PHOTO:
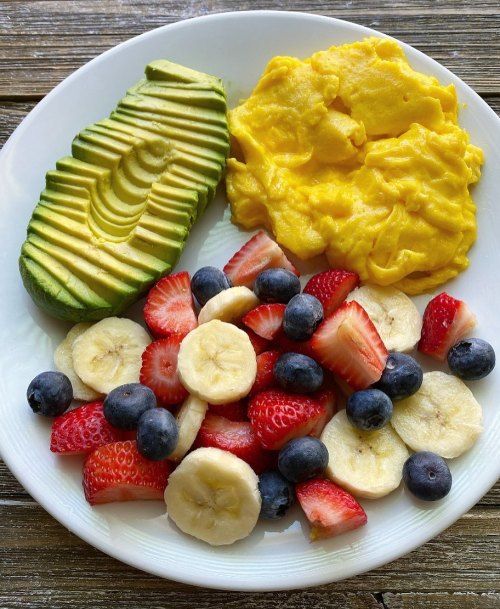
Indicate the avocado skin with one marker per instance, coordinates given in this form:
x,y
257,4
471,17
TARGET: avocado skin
x,y
115,216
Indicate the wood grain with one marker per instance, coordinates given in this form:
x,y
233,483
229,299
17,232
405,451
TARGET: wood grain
x,y
42,565
42,42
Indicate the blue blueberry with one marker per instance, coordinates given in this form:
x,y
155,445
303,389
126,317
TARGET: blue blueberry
x,y
402,376
207,282
276,285
124,405
157,434
298,373
427,476
471,359
302,458
303,314
369,409
50,394
277,495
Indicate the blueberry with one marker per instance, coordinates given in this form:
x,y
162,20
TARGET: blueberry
x,y
276,285
427,476
50,394
277,495
368,409
303,314
402,376
471,359
302,458
124,405
207,282
298,373
157,434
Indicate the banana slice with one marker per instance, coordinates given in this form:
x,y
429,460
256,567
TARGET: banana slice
x,y
366,463
229,305
189,420
443,416
213,496
217,362
393,314
109,353
63,359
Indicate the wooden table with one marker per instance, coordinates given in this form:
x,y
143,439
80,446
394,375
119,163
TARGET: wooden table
x,y
41,563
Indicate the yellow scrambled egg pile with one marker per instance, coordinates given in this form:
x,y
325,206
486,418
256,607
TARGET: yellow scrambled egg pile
x,y
355,154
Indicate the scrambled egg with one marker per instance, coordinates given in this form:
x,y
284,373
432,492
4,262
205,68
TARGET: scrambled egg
x,y
355,154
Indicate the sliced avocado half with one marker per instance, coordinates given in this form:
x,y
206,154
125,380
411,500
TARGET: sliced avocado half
x,y
114,216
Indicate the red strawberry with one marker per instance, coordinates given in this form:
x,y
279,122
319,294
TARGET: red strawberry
x,y
287,345
277,416
159,370
82,430
235,437
328,398
348,344
331,288
258,254
258,343
169,306
234,411
329,509
266,320
117,472
446,321
265,371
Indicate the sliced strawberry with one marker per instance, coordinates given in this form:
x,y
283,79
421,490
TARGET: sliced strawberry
x,y
331,288
235,437
82,430
258,254
348,344
277,416
234,411
265,371
159,370
330,509
328,398
169,306
117,472
266,320
258,343
446,321
287,345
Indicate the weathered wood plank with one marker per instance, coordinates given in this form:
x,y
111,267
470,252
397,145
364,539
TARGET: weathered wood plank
x,y
442,600
43,42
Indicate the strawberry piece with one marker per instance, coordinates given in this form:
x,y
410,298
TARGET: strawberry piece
x,y
82,430
258,343
257,255
159,370
329,509
348,344
169,306
329,400
117,472
277,416
287,345
236,437
265,320
331,288
446,321
234,411
265,371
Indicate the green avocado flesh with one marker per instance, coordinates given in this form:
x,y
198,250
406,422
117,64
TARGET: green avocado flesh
x,y
114,216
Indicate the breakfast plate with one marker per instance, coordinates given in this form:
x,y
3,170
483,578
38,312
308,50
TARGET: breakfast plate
x,y
236,47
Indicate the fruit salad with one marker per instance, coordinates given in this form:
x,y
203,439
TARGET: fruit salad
x,y
254,389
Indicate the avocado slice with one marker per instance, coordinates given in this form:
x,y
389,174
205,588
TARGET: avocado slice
x,y
115,215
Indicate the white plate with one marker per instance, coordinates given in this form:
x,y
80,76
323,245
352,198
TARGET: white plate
x,y
235,46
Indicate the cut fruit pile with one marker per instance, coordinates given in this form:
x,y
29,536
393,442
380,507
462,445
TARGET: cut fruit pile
x,y
236,401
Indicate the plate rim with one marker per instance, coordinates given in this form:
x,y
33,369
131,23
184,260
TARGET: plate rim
x,y
92,537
